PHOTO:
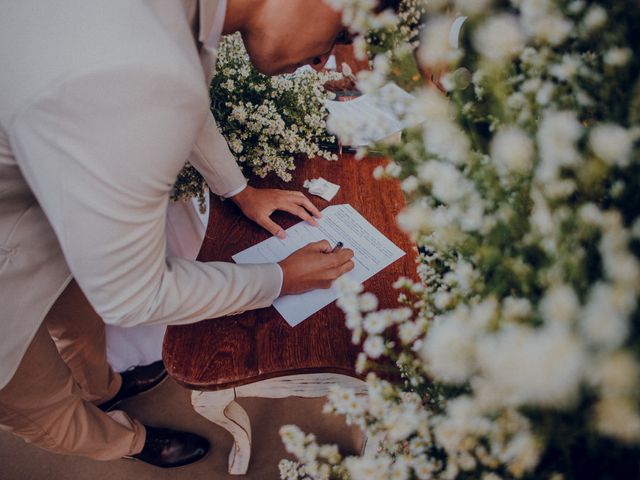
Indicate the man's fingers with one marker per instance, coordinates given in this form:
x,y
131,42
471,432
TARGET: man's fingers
x,y
347,267
272,227
323,246
341,270
299,212
306,203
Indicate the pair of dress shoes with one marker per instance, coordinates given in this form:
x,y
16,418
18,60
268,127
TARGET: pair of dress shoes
x,y
163,447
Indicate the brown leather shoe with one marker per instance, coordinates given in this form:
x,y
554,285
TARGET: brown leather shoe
x,y
137,380
167,448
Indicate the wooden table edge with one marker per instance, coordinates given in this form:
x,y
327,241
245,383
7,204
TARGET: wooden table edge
x,y
207,387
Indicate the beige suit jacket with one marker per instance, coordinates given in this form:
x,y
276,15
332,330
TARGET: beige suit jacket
x,y
101,102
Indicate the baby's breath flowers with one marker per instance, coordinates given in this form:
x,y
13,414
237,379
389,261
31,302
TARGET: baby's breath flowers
x,y
267,121
516,354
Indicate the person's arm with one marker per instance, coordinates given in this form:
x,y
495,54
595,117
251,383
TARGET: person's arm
x,y
215,162
101,153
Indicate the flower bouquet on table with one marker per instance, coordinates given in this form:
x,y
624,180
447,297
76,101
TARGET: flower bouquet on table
x,y
268,122
518,352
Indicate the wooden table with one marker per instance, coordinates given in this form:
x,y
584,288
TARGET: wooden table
x,y
257,353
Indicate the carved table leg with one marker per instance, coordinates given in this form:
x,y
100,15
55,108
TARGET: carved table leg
x,y
220,408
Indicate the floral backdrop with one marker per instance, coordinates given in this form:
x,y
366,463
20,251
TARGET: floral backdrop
x,y
517,354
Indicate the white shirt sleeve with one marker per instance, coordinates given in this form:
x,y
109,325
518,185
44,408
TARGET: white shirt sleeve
x,y
235,191
281,280
101,153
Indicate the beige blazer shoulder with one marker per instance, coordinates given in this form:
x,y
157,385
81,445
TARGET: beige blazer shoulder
x,y
100,107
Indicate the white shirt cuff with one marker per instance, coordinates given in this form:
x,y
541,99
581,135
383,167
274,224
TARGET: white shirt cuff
x,y
235,191
281,279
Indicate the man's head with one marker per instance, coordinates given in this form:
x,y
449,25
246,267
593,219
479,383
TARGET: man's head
x,y
283,35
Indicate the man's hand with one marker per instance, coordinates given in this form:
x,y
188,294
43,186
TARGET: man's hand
x,y
314,266
259,204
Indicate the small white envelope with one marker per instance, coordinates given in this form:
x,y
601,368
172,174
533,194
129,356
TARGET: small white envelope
x,y
322,188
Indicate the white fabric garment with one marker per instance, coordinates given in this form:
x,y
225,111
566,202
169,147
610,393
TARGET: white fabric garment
x,y
142,345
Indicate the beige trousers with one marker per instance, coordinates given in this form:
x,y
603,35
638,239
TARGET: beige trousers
x,y
51,400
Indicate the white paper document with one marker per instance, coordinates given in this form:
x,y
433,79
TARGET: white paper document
x,y
372,117
339,223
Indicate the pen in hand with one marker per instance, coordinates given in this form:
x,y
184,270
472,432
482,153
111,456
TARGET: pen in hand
x,y
338,246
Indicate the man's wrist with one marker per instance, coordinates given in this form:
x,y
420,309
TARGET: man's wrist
x,y
235,191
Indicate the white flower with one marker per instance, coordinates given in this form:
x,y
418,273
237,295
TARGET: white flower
x,y
345,401
523,366
399,469
447,183
567,69
491,476
544,94
595,18
368,302
409,184
590,213
375,323
541,219
618,417
576,6
602,323
472,8
617,374
368,468
449,349
552,29
447,140
514,309
512,150
435,49
347,286
611,143
412,219
288,470
404,419
374,346
499,38
462,275
408,332
617,57
361,362
521,454
559,304
531,85
433,105
557,137
294,439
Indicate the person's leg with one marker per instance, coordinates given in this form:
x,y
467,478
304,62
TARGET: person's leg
x,y
79,334
43,404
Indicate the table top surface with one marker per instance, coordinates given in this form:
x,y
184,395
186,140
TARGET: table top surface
x,y
256,345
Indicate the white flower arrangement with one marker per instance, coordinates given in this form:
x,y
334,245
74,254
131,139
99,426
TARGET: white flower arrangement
x,y
268,122
517,353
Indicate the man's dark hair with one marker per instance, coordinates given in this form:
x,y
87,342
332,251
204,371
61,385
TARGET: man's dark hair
x,y
385,4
